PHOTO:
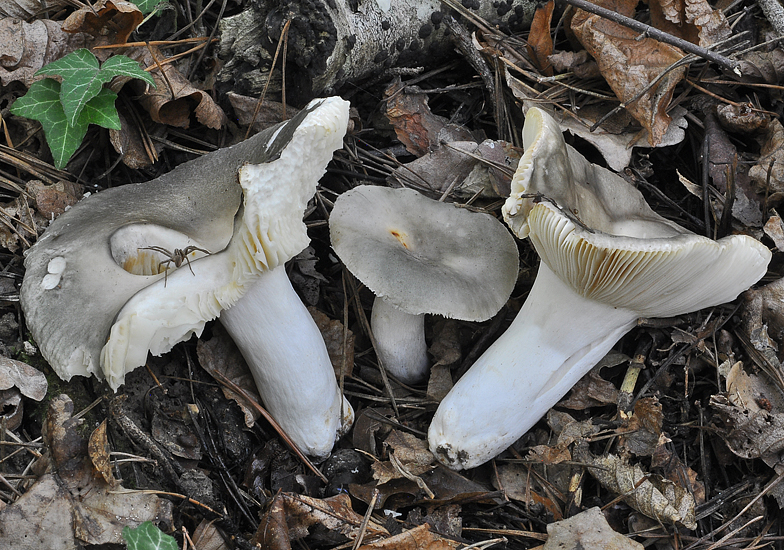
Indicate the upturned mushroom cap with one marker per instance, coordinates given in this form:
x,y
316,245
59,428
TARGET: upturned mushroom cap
x,y
424,256
77,294
607,259
597,233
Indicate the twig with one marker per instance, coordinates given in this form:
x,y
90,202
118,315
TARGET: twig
x,y
774,13
656,34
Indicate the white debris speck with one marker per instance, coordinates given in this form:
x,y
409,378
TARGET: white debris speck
x,y
29,348
55,270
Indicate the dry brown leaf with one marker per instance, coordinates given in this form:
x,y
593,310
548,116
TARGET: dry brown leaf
x,y
580,63
540,42
415,124
418,538
22,9
752,434
270,113
763,316
675,470
109,21
98,450
723,161
640,433
52,200
460,166
207,537
770,165
692,20
291,516
370,424
411,458
174,98
28,380
220,354
73,505
26,47
630,65
652,495
767,66
341,353
591,391
588,529
774,228
517,482
742,118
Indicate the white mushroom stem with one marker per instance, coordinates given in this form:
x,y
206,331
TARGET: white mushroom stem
x,y
542,354
288,358
400,341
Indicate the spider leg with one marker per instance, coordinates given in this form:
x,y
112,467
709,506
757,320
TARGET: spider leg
x,y
187,261
165,271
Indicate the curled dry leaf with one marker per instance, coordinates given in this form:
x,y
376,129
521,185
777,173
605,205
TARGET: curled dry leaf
x,y
73,505
109,21
174,98
640,432
415,124
26,47
540,42
291,516
587,529
673,468
767,66
518,483
774,228
649,494
408,457
630,65
742,118
98,449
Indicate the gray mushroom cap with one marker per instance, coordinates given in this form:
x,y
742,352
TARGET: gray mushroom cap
x,y
424,256
77,275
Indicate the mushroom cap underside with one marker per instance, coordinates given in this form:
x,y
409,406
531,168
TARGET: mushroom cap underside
x,y
424,256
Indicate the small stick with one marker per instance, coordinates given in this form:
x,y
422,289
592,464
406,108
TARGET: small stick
x,y
656,34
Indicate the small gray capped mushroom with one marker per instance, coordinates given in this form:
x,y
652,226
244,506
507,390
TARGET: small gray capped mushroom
x,y
421,256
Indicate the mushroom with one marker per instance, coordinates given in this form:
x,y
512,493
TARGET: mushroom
x,y
606,260
420,256
92,288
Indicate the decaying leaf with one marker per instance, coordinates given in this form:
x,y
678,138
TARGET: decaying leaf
x,y
692,20
221,354
269,114
28,380
767,66
723,164
518,483
98,450
291,516
642,430
650,494
52,200
587,529
675,470
174,98
763,317
464,168
742,118
340,347
774,228
630,65
408,457
73,505
418,538
592,390
415,124
750,433
370,425
110,21
26,47
768,173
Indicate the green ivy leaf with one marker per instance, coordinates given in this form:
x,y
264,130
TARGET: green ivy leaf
x,y
83,79
148,537
147,6
42,103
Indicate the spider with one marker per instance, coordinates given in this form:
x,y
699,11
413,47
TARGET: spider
x,y
177,257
